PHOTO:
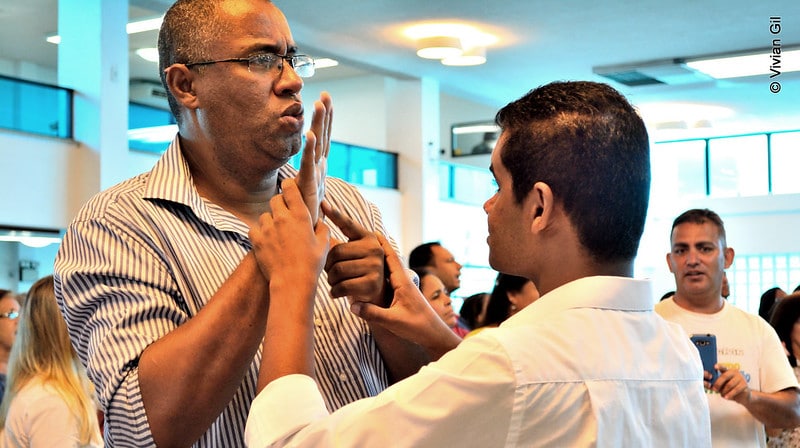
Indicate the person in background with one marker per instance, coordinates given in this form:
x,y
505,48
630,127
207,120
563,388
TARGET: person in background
x,y
511,293
9,314
756,386
726,287
769,300
440,261
156,276
486,144
588,364
50,401
473,310
786,321
434,291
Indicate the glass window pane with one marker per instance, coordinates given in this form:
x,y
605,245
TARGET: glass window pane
x,y
678,169
738,166
785,152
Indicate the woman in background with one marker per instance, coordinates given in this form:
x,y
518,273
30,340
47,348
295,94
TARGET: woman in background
x,y
786,321
510,294
49,400
9,312
433,289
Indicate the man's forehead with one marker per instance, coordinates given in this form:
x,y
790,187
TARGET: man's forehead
x,y
441,252
695,231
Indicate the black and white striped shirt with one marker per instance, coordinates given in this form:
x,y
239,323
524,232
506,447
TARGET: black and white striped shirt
x,y
144,256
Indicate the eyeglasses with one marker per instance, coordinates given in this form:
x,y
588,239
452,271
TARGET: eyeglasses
x,y
10,315
302,64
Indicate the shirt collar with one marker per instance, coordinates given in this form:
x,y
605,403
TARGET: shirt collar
x,y
600,292
170,180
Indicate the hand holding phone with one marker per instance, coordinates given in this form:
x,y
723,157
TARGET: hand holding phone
x,y
707,346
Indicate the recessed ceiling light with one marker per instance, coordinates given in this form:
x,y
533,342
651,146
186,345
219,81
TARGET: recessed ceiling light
x,y
138,26
439,47
471,56
747,65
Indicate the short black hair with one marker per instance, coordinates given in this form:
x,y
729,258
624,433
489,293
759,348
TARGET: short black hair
x,y
785,315
422,255
700,216
767,303
499,305
587,143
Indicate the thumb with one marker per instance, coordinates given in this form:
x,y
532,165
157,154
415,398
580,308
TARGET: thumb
x,y
370,312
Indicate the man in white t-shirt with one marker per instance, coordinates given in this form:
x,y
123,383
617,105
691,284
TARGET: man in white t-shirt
x,y
756,386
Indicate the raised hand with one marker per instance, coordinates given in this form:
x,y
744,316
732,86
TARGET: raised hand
x,y
355,266
409,316
286,245
314,161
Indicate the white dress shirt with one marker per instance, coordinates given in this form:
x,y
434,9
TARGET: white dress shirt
x,y
588,364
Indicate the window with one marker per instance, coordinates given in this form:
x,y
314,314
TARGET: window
x,y
738,166
679,169
784,161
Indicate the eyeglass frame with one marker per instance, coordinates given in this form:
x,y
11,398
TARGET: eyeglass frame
x,y
11,315
292,60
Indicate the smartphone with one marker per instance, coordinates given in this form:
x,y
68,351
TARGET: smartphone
x,y
707,346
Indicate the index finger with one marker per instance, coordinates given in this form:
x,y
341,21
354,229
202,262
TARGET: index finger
x,y
291,193
350,228
397,272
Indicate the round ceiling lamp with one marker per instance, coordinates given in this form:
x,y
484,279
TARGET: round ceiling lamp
x,y
439,47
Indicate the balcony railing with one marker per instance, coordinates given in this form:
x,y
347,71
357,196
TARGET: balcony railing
x,y
34,107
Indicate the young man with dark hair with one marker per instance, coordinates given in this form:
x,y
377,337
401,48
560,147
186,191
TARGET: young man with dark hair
x,y
756,385
588,364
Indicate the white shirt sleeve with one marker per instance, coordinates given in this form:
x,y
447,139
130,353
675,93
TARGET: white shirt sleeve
x,y
464,389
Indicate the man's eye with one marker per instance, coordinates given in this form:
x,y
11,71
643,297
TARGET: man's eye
x,y
263,60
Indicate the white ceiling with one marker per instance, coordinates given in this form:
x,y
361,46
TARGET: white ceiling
x,y
540,41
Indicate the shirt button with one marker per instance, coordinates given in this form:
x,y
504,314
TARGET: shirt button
x,y
343,377
318,322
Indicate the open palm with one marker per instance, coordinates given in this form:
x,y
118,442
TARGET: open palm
x,y
314,161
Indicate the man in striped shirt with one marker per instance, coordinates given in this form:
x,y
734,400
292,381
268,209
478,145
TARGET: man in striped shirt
x,y
156,277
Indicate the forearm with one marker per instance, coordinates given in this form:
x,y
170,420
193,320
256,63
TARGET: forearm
x,y
401,358
777,410
289,337
189,376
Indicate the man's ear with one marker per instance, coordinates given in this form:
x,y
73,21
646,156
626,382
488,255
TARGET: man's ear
x,y
180,82
540,203
729,254
669,262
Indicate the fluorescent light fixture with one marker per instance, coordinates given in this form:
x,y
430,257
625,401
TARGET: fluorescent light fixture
x,y
764,63
30,238
154,134
138,26
478,128
141,26
471,56
325,63
439,47
148,54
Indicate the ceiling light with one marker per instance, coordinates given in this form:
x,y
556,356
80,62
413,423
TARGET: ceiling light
x,y
30,237
439,47
325,63
141,26
138,26
737,66
471,56
148,54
